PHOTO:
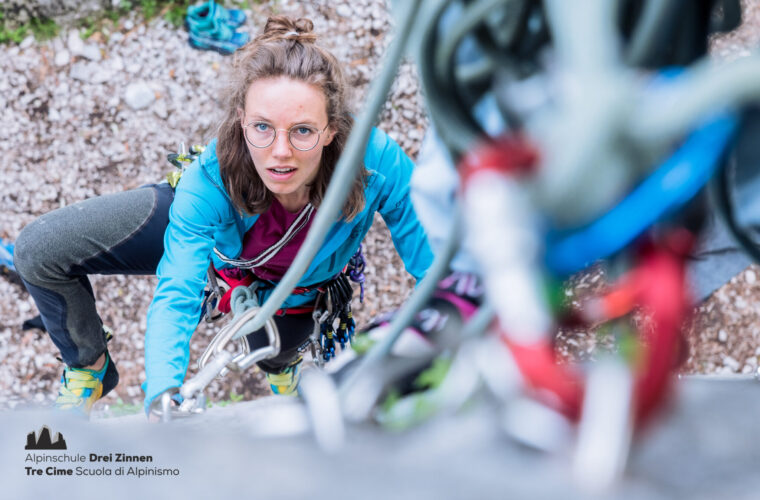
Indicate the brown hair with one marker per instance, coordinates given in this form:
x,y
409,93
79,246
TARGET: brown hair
x,y
285,48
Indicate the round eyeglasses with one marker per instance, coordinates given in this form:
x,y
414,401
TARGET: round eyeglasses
x,y
301,137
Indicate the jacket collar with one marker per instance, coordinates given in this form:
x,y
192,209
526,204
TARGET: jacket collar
x,y
209,163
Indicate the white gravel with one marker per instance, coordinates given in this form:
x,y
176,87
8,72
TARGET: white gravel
x,y
84,118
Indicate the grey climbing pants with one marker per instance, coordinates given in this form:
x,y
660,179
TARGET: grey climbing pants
x,y
120,233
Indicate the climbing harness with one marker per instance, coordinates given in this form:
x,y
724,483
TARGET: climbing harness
x,y
332,304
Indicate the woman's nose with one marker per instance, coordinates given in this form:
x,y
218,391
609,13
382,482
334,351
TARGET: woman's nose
x,y
281,146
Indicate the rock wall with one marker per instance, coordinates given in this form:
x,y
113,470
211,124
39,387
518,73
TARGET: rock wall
x,y
17,12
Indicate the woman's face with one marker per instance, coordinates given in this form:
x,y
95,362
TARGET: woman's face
x,y
282,104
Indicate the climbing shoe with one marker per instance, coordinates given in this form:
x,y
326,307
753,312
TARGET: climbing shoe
x,y
285,383
210,30
81,387
202,13
7,268
224,44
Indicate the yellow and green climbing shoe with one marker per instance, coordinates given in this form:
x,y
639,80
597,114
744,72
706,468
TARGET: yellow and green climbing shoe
x,y
286,382
81,387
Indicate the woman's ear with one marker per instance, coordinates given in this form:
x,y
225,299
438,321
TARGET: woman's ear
x,y
330,136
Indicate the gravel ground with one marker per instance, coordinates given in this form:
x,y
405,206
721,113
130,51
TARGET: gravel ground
x,y
70,130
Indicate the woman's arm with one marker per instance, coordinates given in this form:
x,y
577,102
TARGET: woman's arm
x,y
409,238
194,217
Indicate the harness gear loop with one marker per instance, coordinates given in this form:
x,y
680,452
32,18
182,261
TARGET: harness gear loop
x,y
355,271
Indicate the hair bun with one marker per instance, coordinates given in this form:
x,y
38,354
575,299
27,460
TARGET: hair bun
x,y
287,28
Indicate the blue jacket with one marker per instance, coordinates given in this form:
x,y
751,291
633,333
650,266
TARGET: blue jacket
x,y
202,217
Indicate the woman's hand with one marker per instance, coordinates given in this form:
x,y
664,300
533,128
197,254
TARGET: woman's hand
x,y
166,402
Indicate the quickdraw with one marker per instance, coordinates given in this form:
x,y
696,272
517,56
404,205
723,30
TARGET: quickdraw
x,y
355,270
182,159
655,283
334,303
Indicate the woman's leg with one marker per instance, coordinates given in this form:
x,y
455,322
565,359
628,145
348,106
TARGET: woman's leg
x,y
120,233
282,371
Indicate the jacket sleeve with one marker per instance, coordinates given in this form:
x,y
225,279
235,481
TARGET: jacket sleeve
x,y
195,213
409,238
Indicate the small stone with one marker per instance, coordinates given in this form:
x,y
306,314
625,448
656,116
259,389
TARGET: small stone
x,y
160,109
178,92
27,42
139,95
62,57
750,276
81,71
117,64
74,42
100,75
91,52
722,336
129,24
731,363
344,10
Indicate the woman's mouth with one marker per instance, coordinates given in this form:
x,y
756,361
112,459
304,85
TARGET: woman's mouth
x,y
281,173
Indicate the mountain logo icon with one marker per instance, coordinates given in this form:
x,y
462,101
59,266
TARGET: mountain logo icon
x,y
43,441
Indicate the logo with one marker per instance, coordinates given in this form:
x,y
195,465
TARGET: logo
x,y
39,461
43,441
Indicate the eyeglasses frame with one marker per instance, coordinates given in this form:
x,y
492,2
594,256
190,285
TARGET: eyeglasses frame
x,y
274,137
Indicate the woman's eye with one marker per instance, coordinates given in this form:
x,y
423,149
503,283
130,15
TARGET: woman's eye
x,y
304,131
261,127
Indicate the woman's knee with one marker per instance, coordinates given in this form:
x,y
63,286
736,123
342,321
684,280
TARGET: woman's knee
x,y
29,252
116,233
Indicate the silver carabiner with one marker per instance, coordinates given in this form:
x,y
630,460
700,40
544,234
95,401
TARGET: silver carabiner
x,y
244,359
214,296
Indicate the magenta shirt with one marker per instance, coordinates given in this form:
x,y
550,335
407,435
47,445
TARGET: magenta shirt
x,y
268,230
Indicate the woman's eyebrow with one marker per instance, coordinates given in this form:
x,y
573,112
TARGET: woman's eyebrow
x,y
263,118
257,118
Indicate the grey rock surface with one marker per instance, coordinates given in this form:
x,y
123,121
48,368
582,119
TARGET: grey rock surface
x,y
705,447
